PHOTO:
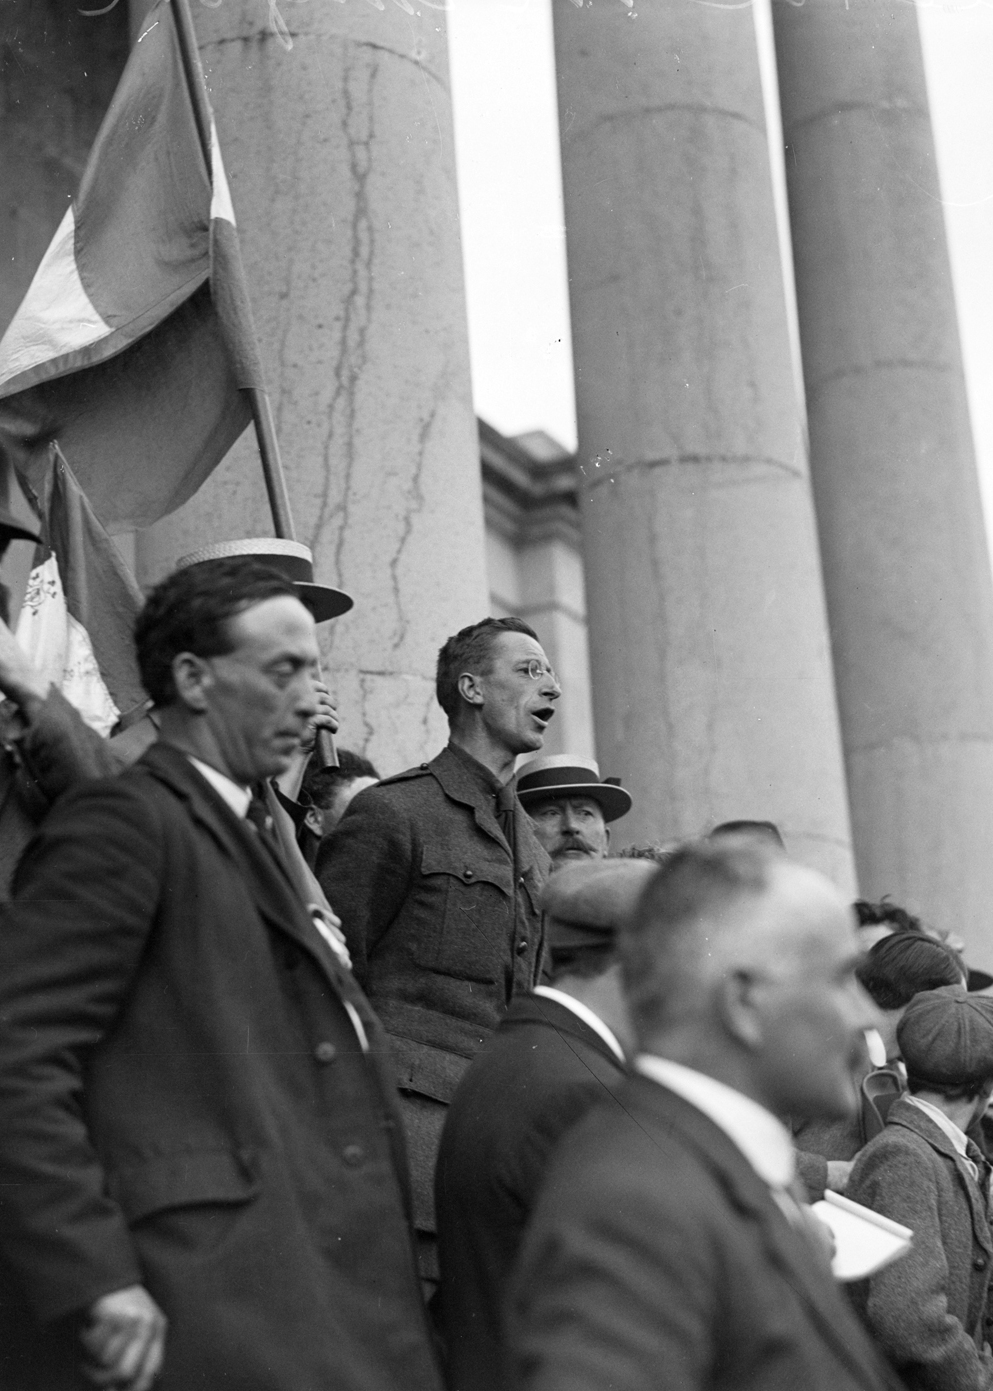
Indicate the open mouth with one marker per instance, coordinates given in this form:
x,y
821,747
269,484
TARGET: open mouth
x,y
543,715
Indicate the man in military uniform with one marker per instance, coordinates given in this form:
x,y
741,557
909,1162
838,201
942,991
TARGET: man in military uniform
x,y
436,875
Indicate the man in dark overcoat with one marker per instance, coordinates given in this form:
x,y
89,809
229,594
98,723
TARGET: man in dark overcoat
x,y
668,1250
930,1311
436,875
556,1052
201,1174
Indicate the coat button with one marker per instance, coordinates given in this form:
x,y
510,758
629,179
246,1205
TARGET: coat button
x,y
353,1155
467,874
522,946
979,1263
325,1052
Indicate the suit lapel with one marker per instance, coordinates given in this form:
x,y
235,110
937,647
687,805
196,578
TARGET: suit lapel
x,y
790,1251
265,877
911,1118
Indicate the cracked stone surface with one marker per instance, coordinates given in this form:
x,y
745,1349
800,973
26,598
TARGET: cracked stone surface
x,y
341,164
711,663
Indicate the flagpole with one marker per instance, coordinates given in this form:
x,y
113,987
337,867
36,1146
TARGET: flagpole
x,y
258,397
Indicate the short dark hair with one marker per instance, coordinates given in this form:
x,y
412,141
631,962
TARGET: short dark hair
x,y
762,830
322,785
189,611
884,912
958,1091
699,878
905,963
469,650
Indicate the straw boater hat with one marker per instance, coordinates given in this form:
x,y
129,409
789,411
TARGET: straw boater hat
x,y
565,775
290,558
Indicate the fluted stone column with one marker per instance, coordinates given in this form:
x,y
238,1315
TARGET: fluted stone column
x,y
713,693
905,556
340,158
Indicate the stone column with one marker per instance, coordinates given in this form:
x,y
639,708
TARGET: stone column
x,y
713,692
340,157
905,557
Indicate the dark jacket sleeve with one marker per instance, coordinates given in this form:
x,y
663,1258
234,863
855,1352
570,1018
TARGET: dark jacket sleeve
x,y
59,750
366,867
70,943
907,1305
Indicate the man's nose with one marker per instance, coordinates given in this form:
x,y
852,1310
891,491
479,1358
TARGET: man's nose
x,y
306,702
550,687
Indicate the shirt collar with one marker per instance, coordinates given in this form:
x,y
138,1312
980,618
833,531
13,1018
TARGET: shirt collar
x,y
958,1137
584,1013
762,1139
236,796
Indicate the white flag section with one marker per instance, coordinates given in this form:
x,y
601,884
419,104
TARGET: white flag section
x,y
61,650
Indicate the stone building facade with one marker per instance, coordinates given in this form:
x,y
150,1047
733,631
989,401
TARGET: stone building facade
x,y
772,631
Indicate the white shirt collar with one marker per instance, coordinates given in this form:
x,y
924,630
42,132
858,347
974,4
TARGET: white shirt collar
x,y
586,1015
236,796
762,1139
958,1137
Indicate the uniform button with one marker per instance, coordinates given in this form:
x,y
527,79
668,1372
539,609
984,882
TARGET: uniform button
x,y
325,1052
522,946
353,1155
467,874
423,765
979,1263
521,880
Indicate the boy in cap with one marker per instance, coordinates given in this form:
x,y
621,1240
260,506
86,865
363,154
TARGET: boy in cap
x,y
928,1311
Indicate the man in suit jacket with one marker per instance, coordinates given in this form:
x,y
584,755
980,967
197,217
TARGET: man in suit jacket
x,y
436,875
667,1251
199,1161
930,1310
557,1051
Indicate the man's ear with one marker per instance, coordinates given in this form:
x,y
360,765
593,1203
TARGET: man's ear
x,y
192,678
471,688
737,1010
314,821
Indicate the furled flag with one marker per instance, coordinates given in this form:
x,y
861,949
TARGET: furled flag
x,y
80,607
135,335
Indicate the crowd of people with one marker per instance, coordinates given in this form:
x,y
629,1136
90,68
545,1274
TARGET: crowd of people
x,y
312,1078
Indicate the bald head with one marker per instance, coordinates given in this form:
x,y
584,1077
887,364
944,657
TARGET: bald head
x,y
740,960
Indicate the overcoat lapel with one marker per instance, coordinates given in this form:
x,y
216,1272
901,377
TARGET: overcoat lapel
x,y
903,1113
790,1251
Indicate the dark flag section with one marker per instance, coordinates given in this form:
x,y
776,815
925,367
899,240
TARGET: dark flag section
x,y
133,343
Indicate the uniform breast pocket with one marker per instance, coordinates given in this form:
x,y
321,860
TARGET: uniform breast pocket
x,y
470,914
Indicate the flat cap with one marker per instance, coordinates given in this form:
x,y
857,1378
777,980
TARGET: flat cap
x,y
588,901
946,1036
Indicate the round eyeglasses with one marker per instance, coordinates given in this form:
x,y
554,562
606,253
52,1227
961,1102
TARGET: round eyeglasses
x,y
536,670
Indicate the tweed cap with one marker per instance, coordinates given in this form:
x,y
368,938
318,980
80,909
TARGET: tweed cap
x,y
586,902
946,1036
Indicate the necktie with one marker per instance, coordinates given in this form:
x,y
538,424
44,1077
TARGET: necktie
x,y
980,1166
258,816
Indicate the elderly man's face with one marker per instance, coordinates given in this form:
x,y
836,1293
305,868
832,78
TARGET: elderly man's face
x,y
570,828
809,1010
260,697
